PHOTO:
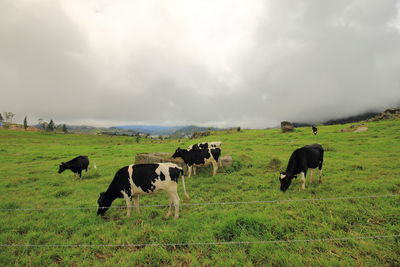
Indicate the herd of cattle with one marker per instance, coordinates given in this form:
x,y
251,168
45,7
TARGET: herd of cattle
x,y
131,181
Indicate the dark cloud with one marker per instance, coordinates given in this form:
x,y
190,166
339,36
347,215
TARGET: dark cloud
x,y
299,61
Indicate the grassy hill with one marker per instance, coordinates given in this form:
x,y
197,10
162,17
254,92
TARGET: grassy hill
x,y
356,164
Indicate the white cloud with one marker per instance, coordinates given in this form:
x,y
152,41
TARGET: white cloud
x,y
223,63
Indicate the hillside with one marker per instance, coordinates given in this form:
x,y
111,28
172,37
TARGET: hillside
x,y
152,129
174,131
358,199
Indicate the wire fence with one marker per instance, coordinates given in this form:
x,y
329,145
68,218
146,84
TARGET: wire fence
x,y
334,239
259,202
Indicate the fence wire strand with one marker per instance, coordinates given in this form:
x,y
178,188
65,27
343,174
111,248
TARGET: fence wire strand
x,y
210,203
201,243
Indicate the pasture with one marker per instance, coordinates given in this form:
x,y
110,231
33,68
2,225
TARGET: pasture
x,y
355,164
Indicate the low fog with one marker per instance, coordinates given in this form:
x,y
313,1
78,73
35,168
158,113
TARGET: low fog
x,y
212,63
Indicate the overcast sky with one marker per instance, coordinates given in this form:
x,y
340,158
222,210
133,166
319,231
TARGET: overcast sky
x,y
207,62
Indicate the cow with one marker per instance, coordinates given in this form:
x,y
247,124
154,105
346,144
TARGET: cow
x,y
205,145
311,156
136,179
199,157
314,129
76,165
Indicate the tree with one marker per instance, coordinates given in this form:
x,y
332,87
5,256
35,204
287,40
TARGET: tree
x,y
25,123
64,128
51,126
8,116
41,123
1,118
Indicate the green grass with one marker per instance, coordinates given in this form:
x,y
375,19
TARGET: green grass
x,y
356,164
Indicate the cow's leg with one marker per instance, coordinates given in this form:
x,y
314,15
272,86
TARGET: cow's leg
x,y
311,175
215,167
190,170
80,173
303,181
320,176
176,204
171,201
128,203
194,170
136,203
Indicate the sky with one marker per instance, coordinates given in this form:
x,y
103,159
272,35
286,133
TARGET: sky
x,y
221,63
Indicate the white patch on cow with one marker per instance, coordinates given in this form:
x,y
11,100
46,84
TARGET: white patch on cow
x,y
283,176
216,144
167,184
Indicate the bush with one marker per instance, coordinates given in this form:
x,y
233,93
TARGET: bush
x,y
274,165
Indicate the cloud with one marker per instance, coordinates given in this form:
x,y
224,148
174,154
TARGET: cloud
x,y
219,63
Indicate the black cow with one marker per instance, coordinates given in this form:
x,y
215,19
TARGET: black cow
x,y
199,157
302,159
314,130
205,145
76,165
131,181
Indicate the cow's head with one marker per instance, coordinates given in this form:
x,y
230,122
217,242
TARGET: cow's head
x,y
104,204
178,153
63,166
285,180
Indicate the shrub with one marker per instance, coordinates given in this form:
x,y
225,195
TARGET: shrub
x,y
274,165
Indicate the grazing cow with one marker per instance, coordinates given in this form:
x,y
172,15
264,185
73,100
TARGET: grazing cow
x,y
314,130
76,165
199,157
205,145
300,161
133,180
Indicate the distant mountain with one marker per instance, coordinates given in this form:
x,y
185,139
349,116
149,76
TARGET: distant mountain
x,y
351,119
152,129
189,130
84,129
173,131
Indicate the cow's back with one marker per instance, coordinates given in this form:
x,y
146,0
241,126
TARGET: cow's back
x,y
314,154
79,161
152,177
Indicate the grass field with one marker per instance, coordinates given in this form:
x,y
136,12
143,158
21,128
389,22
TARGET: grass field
x,y
356,164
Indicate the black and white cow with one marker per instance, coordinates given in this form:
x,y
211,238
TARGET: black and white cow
x,y
199,157
133,180
314,129
205,145
302,159
76,165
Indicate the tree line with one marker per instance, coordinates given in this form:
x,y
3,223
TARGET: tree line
x,y
50,126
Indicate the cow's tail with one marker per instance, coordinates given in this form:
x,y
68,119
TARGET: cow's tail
x,y
184,187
